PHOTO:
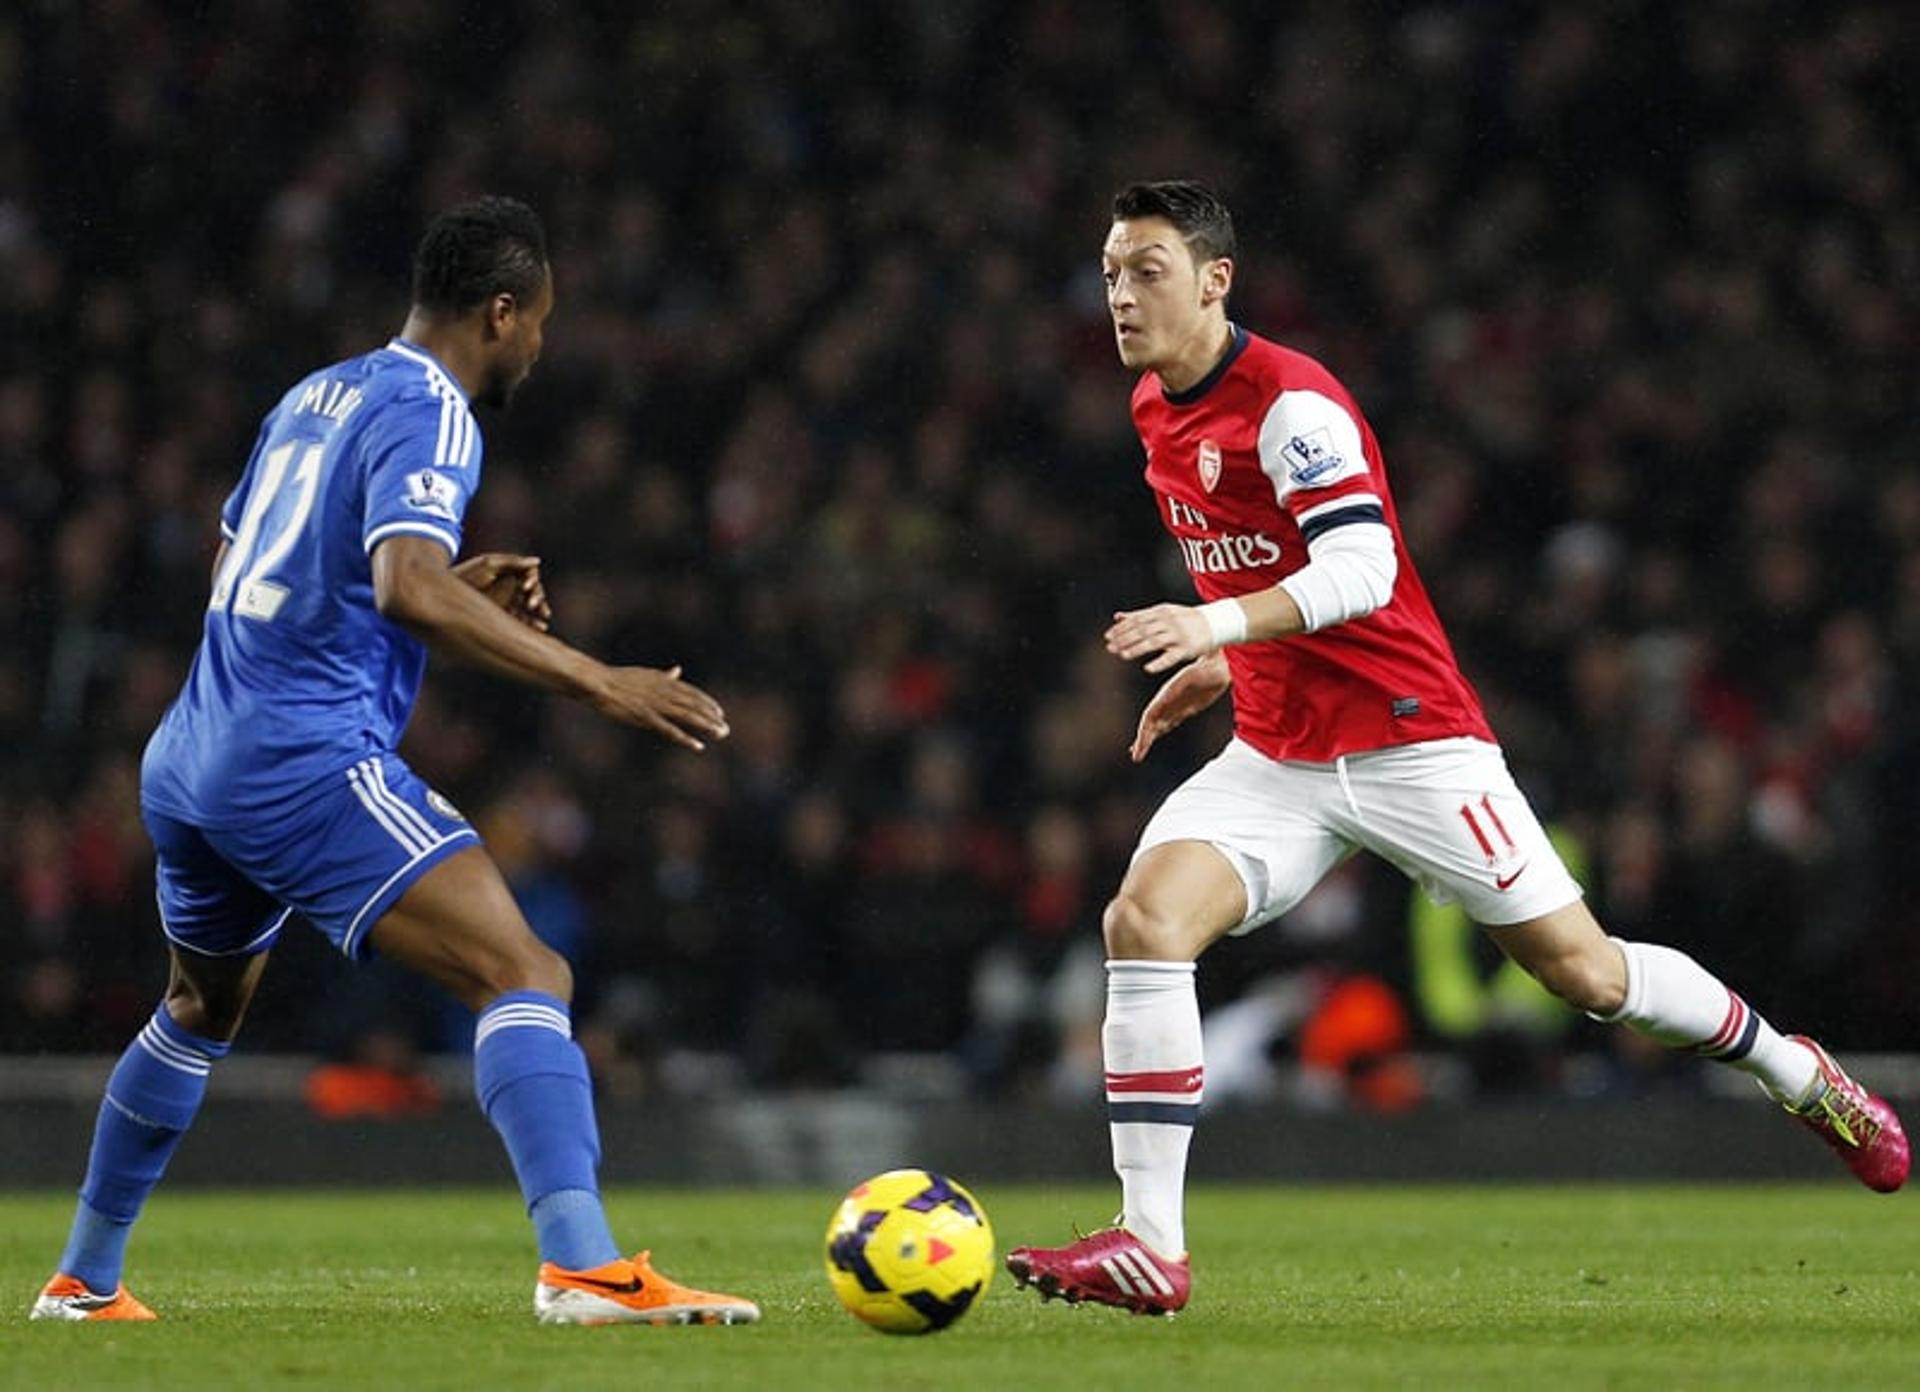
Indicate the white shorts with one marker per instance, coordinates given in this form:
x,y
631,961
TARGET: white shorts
x,y
1446,812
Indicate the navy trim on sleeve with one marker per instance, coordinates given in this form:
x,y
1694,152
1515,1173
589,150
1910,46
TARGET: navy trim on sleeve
x,y
1340,517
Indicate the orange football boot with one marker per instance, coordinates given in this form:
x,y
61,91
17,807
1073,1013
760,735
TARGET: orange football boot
x,y
630,1292
66,1298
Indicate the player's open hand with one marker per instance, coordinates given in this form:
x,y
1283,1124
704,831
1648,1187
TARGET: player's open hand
x,y
513,583
659,701
1166,635
1184,695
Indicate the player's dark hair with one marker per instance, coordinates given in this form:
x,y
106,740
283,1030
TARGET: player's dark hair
x,y
476,250
1195,211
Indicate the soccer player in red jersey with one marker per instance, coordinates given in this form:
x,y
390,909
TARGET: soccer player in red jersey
x,y
1353,728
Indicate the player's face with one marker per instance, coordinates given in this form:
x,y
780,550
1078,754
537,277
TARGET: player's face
x,y
1158,295
521,332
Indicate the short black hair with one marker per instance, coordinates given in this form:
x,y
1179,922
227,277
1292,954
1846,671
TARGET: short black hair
x,y
1196,212
475,250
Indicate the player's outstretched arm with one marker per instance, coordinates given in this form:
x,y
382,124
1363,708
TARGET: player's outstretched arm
x,y
1350,572
416,586
1181,697
1169,634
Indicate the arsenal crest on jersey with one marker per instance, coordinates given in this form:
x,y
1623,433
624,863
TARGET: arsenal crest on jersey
x,y
1209,464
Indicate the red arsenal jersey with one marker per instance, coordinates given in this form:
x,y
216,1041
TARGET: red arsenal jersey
x,y
1265,453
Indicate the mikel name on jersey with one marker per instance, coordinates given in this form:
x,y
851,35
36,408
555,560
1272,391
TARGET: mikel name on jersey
x,y
326,397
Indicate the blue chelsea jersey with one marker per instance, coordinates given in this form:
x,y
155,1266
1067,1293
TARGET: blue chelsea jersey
x,y
298,676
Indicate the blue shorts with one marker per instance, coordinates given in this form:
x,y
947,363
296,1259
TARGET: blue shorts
x,y
340,858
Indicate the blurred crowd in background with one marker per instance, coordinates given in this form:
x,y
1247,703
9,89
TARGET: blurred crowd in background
x,y
830,414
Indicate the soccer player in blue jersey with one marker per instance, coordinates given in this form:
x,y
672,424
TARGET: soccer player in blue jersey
x,y
273,786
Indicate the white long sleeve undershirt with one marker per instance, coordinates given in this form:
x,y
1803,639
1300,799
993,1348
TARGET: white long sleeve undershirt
x,y
1350,574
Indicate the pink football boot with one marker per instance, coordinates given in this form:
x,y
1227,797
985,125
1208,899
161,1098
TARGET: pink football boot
x,y
1862,1129
1109,1268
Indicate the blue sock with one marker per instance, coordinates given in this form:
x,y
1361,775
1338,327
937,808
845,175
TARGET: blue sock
x,y
151,1100
572,1229
533,1085
96,1248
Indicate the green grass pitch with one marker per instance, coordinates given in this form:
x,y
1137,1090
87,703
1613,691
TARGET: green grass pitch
x,y
1557,1287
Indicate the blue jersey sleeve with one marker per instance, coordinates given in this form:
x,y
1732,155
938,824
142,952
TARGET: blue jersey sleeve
x,y
423,463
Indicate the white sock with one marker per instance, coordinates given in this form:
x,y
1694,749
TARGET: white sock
x,y
1672,998
1152,1046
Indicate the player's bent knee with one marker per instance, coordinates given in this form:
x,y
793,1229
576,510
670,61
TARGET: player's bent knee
x,y
210,998
534,967
476,960
1134,931
1603,996
557,974
197,1014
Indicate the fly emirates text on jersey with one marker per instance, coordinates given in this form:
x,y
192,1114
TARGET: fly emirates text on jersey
x,y
1215,555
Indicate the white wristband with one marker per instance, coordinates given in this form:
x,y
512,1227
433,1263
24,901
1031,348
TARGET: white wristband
x,y
1226,621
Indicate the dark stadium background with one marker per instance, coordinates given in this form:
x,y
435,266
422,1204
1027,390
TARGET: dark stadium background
x,y
830,414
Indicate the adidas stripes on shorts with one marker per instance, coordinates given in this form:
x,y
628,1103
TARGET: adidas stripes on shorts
x,y
340,855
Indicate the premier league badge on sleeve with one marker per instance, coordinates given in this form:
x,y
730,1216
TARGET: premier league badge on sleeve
x,y
1312,456
432,493
1209,465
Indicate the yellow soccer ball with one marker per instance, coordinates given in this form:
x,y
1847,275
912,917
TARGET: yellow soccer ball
x,y
909,1251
